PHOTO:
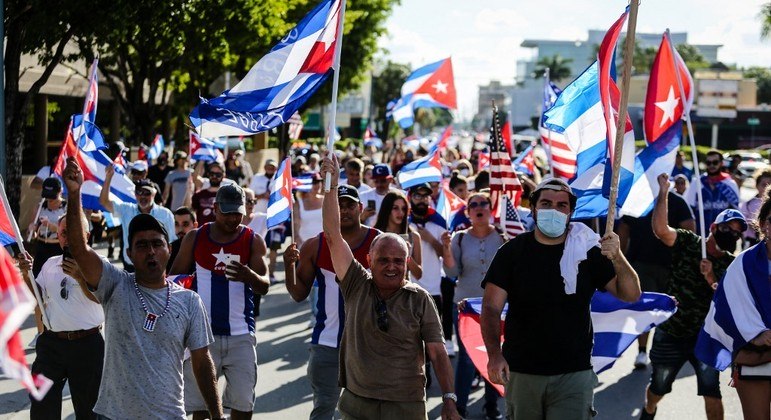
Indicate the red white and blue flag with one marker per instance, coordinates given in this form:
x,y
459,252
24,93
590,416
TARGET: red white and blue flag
x,y
664,110
204,149
563,157
280,83
156,147
303,182
525,162
503,180
280,200
93,163
7,222
441,144
88,141
426,169
447,204
430,86
511,221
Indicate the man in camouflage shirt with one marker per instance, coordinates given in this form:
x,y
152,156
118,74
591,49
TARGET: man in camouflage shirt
x,y
693,281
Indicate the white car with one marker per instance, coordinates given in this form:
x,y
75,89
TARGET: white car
x,y
751,162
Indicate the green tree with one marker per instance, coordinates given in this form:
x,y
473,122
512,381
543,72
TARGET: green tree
x,y
386,86
692,57
762,76
559,68
765,18
43,29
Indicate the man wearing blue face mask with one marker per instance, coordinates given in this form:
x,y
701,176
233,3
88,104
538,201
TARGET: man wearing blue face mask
x,y
548,277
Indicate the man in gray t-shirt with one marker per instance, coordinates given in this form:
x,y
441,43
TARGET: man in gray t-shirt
x,y
148,321
177,182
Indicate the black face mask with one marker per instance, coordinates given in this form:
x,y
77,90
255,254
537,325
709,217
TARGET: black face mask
x,y
725,240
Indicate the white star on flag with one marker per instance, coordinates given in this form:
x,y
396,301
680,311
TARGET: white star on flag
x,y
221,257
668,107
440,87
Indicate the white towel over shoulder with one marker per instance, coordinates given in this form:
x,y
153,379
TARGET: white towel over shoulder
x,y
580,240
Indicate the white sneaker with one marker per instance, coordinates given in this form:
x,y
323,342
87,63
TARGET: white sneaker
x,y
450,348
641,361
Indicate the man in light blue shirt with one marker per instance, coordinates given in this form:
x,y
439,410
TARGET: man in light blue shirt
x,y
145,193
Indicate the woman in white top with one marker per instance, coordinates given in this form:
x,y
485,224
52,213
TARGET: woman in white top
x,y
307,212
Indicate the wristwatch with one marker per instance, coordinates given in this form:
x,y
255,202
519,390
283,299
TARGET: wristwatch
x,y
450,396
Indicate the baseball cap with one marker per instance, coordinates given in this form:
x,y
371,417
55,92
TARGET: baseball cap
x,y
271,162
349,192
139,165
143,222
145,184
381,170
554,184
727,215
180,155
51,188
231,199
422,186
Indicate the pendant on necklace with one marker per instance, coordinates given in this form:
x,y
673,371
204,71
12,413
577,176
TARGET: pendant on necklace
x,y
150,322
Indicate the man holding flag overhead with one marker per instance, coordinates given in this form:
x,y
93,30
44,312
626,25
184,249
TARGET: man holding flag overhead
x,y
545,362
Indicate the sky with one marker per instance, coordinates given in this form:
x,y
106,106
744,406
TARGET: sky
x,y
483,36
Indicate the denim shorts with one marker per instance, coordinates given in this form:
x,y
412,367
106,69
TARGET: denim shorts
x,y
669,354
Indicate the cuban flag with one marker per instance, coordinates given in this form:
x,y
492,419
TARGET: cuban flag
x,y
183,280
7,222
447,204
156,147
616,326
664,109
740,309
430,86
483,160
425,169
280,83
441,144
87,139
610,96
280,200
93,164
204,149
303,182
525,162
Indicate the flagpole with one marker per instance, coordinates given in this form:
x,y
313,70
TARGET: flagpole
x,y
20,243
618,148
335,82
37,216
291,223
694,156
546,76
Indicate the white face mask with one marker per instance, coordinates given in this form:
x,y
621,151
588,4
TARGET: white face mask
x,y
551,223
464,172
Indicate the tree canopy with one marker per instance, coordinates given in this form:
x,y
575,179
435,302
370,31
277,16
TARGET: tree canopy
x,y
558,66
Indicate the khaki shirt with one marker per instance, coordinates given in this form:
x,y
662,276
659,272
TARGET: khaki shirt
x,y
386,365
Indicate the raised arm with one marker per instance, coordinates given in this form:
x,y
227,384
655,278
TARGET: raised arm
x,y
661,228
87,258
415,263
626,284
104,196
342,257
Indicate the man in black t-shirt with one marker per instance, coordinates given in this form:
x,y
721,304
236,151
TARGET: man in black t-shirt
x,y
548,277
649,257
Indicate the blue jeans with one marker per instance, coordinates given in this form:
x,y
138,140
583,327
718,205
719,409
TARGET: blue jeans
x,y
464,373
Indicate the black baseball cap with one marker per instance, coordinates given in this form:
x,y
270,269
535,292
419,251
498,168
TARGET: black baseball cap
x,y
349,192
143,222
381,170
51,188
231,199
421,186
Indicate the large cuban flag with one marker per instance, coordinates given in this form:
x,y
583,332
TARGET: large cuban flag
x,y
430,86
616,326
93,163
664,109
279,84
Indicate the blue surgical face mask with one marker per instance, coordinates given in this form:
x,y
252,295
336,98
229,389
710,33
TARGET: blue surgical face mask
x,y
551,223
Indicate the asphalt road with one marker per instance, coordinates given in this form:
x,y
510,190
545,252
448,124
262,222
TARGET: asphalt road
x,y
283,390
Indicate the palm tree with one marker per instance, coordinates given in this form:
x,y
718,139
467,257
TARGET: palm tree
x,y
765,17
558,66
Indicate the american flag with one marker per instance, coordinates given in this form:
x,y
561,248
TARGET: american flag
x,y
503,179
511,222
563,158
295,126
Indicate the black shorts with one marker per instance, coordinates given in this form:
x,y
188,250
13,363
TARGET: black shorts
x,y
669,354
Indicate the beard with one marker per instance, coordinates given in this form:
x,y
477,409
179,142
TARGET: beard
x,y
420,209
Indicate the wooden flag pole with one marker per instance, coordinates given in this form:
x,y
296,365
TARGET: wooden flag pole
x,y
335,80
622,111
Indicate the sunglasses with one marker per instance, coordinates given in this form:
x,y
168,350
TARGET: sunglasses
x,y
64,293
144,193
215,174
421,196
382,315
712,162
481,204
252,202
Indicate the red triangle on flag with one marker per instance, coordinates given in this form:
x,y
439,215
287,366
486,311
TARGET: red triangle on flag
x,y
441,85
